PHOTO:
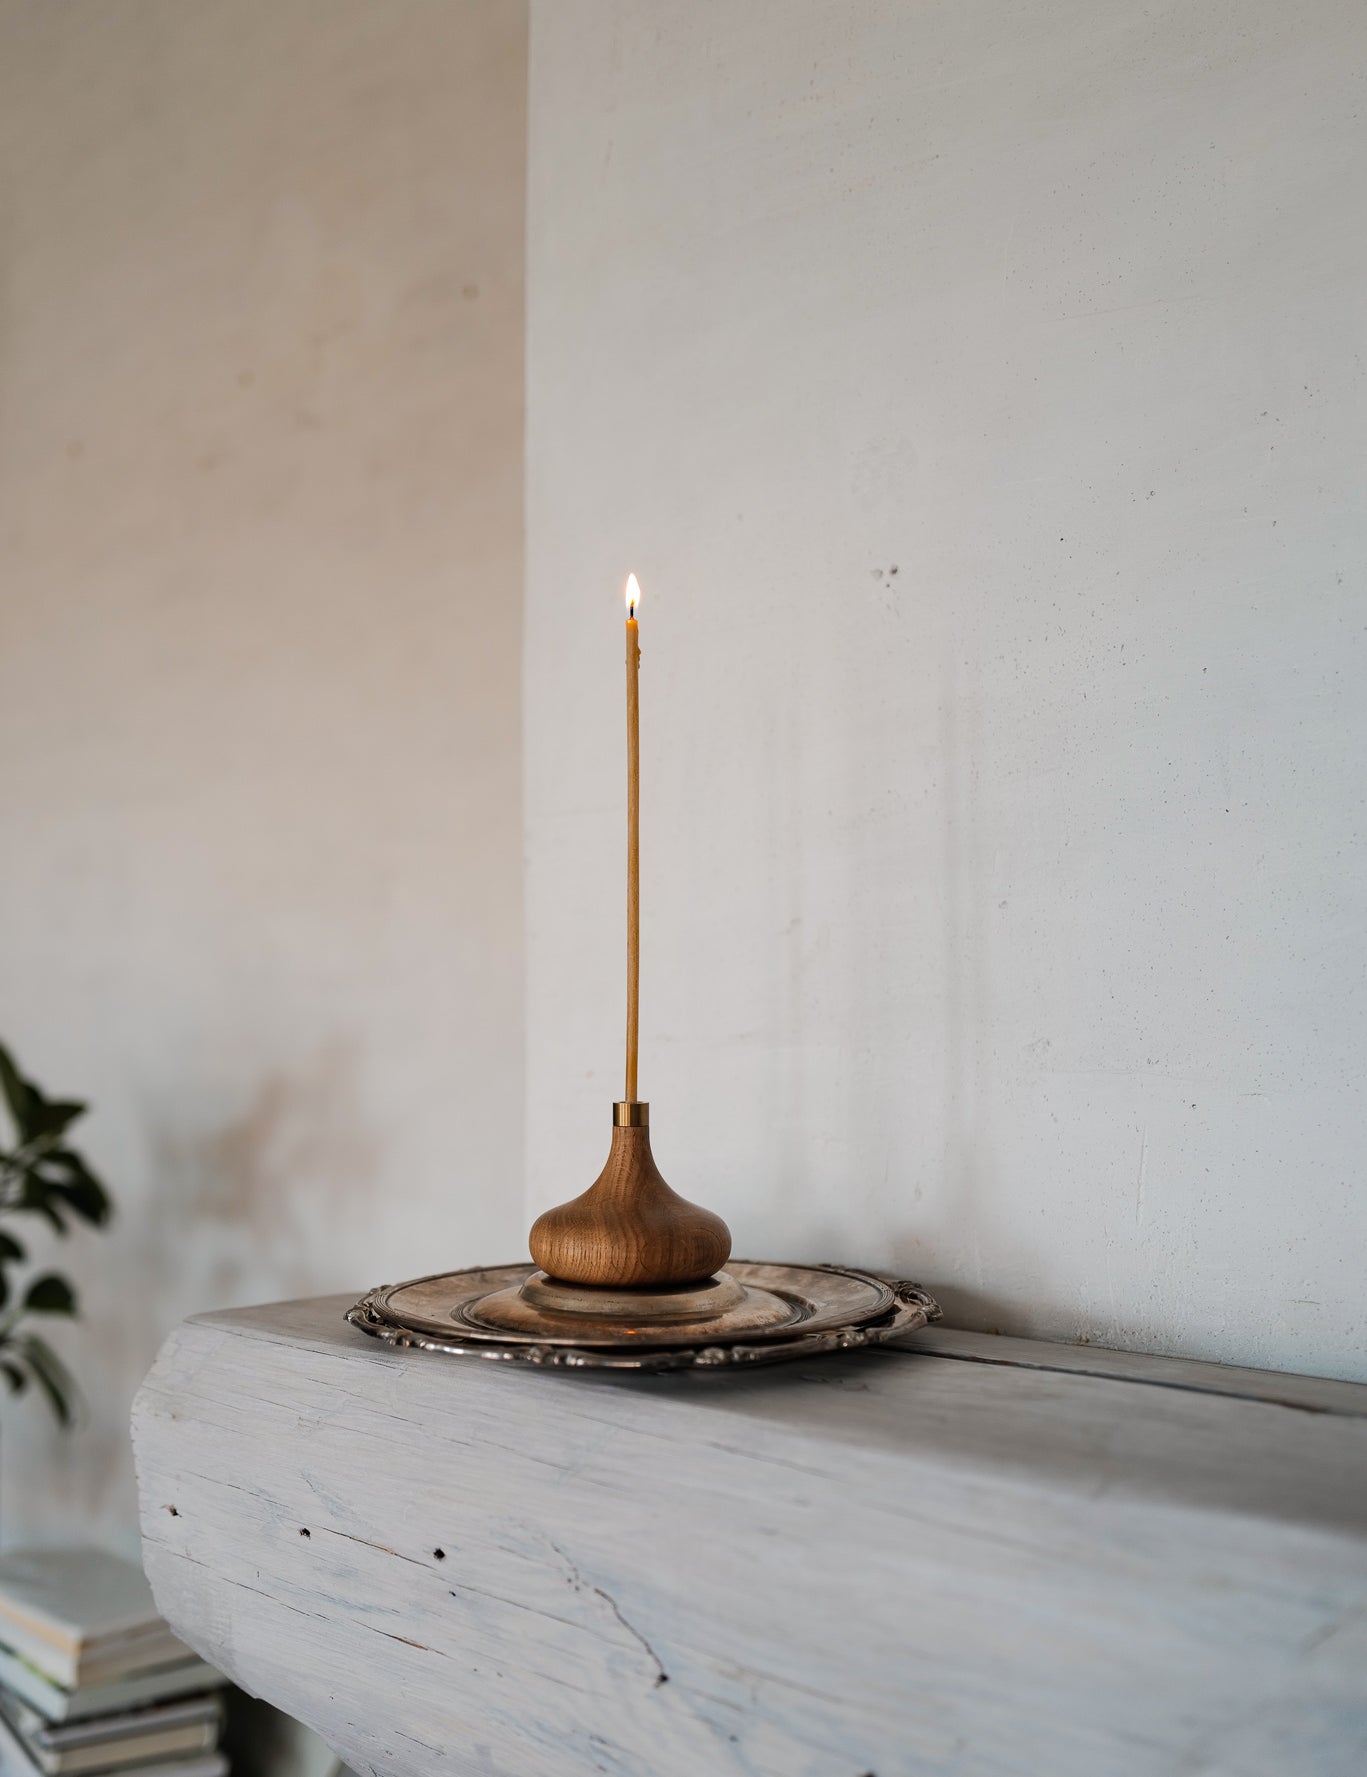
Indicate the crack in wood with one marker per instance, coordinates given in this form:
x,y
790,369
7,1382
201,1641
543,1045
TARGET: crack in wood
x,y
581,1584
365,1542
421,1646
313,1616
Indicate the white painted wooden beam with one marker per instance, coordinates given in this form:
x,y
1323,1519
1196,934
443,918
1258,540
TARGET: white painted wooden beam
x,y
980,1556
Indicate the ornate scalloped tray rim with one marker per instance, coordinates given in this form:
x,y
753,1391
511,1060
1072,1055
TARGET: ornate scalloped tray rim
x,y
911,1307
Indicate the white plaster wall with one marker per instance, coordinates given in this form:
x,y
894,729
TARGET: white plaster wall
x,y
260,548
978,392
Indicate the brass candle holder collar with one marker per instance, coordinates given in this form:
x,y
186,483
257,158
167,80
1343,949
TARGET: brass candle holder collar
x,y
629,1275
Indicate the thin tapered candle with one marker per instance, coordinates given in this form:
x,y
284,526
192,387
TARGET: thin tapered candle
x,y
633,835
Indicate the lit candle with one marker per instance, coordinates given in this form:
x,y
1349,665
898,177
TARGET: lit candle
x,y
633,834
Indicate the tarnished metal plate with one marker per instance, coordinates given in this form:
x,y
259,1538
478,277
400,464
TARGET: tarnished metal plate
x,y
789,1311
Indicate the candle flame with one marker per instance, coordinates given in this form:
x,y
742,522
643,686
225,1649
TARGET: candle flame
x,y
633,595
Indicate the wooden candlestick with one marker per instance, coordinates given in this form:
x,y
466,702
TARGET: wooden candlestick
x,y
633,846
629,1230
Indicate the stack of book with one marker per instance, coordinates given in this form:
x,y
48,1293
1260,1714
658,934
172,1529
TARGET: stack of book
x,y
91,1678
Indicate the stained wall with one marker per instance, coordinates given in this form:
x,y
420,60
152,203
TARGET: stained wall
x,y
260,619
978,393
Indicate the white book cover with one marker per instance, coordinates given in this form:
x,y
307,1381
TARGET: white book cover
x,y
156,1744
41,1733
81,1615
15,1760
212,1764
56,1704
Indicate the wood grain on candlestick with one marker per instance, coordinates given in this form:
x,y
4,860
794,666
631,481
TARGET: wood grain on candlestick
x,y
629,1230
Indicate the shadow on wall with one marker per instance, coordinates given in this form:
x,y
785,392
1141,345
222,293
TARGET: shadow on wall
x,y
238,1208
234,1212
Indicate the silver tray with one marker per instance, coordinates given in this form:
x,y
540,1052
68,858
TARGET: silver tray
x,y
820,1308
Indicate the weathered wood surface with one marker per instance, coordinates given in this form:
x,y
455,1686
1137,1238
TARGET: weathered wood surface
x,y
891,1562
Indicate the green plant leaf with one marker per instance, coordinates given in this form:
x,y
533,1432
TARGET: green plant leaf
x,y
36,1194
18,1094
77,1185
35,1114
41,1176
10,1252
52,1116
50,1294
76,1199
50,1373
